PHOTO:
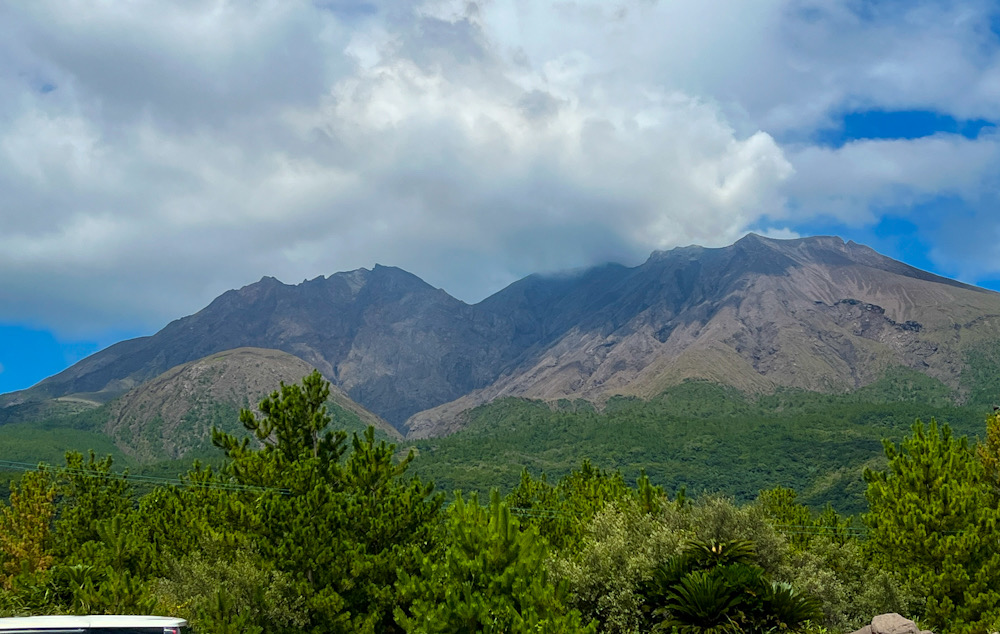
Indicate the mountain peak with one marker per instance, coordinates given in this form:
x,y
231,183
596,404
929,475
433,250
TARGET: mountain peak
x,y
691,250
391,281
355,280
753,238
812,313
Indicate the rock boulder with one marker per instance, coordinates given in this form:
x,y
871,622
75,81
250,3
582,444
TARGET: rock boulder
x,y
891,623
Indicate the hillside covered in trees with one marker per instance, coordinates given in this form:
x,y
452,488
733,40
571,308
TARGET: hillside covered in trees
x,y
701,436
305,531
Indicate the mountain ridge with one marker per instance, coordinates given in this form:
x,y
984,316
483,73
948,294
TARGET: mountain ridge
x,y
814,313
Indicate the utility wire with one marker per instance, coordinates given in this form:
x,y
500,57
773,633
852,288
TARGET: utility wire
x,y
538,513
142,479
822,528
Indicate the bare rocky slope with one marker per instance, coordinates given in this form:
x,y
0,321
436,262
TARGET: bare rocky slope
x,y
815,313
173,414
383,336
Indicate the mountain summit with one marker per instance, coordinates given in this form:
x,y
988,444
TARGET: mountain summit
x,y
814,313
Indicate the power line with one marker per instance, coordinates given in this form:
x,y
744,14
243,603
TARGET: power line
x,y
822,527
540,513
141,479
853,531
536,513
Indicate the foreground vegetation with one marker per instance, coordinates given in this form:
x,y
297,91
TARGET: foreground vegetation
x,y
300,530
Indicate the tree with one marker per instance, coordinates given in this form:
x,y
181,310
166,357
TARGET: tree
x,y
89,493
561,511
989,453
622,545
292,428
798,522
25,527
491,578
221,589
931,517
341,531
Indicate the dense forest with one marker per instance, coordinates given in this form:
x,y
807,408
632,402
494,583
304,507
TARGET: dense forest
x,y
706,437
300,529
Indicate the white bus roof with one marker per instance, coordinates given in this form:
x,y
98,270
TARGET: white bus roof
x,y
94,620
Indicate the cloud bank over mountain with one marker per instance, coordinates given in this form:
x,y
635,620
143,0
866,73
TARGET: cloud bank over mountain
x,y
153,155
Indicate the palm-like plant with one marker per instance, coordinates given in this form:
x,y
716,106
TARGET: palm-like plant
x,y
712,553
788,609
715,588
700,603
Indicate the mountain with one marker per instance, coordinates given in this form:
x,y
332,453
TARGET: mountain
x,y
383,336
173,414
812,313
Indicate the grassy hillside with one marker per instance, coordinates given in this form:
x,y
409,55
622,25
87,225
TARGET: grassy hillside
x,y
701,436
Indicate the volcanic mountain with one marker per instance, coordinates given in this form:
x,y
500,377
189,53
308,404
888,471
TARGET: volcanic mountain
x,y
813,313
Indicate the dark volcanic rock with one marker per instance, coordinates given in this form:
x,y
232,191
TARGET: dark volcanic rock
x,y
813,313
384,336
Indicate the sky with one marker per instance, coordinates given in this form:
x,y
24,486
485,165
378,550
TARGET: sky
x,y
155,154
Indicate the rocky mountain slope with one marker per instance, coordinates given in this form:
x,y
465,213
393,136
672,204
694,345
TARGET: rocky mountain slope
x,y
814,313
383,336
173,414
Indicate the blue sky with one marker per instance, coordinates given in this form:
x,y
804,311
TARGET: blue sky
x,y
30,354
154,155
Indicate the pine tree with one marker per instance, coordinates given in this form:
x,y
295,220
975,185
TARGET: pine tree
x,y
89,493
797,521
562,510
491,578
25,527
293,428
341,530
989,453
931,518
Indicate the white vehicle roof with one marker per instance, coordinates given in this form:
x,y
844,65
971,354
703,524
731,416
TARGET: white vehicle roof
x,y
95,620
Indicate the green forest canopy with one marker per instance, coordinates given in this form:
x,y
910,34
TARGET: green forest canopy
x,y
307,532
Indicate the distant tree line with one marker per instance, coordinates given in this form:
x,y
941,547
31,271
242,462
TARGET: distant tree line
x,y
303,530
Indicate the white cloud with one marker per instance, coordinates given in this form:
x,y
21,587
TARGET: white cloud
x,y
153,155
855,182
781,233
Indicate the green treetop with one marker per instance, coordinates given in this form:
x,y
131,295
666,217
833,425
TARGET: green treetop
x,y
931,517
